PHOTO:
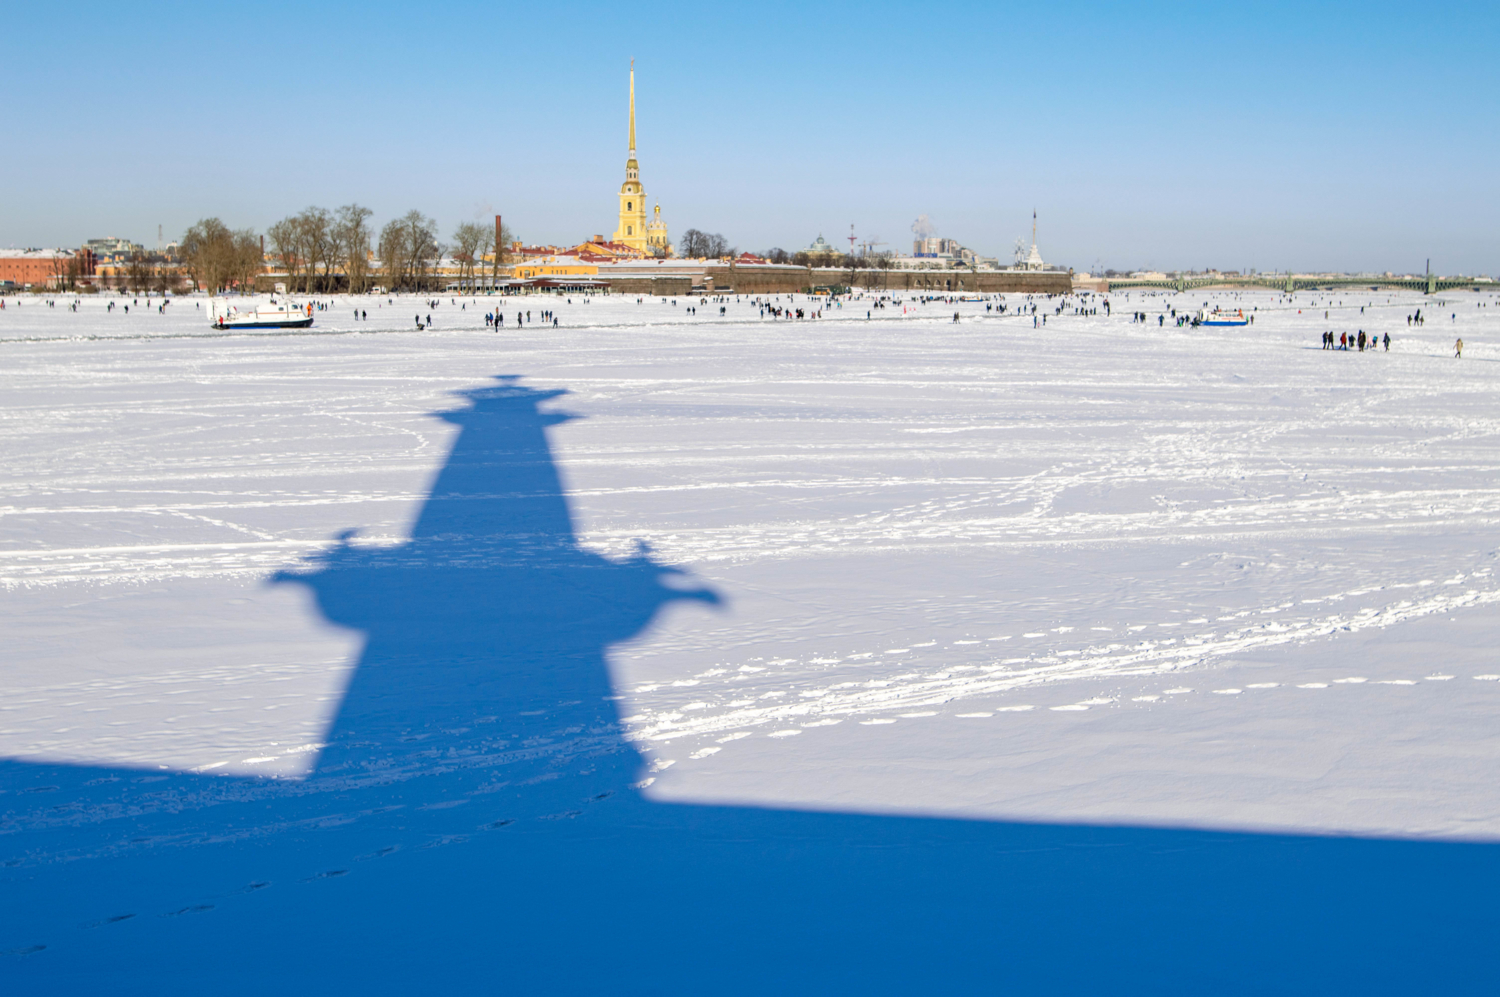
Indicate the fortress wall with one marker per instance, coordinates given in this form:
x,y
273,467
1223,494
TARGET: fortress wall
x,y
655,286
753,280
761,280
794,280
953,281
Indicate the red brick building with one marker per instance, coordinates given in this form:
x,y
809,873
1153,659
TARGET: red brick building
x,y
42,267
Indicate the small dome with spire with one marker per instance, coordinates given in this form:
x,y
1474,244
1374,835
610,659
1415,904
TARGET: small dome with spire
x,y
820,248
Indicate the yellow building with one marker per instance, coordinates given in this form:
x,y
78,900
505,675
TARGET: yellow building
x,y
554,266
634,230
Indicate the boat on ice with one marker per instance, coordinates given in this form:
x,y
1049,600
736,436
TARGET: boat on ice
x,y
283,314
1219,317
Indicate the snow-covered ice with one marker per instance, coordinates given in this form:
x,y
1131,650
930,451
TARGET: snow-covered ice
x,y
1094,574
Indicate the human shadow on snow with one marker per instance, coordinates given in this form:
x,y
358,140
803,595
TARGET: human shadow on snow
x,y
472,823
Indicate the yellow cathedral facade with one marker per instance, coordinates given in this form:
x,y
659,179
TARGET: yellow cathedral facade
x,y
634,230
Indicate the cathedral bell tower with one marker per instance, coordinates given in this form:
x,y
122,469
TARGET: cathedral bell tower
x,y
632,230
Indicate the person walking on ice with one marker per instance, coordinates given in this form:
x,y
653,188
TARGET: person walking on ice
x,y
1458,348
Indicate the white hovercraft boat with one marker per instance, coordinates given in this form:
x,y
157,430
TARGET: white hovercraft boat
x,y
1218,317
280,313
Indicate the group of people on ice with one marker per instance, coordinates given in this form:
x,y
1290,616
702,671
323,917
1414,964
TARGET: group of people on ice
x,y
1349,341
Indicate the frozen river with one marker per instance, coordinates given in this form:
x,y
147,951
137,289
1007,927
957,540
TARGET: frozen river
x,y
1097,572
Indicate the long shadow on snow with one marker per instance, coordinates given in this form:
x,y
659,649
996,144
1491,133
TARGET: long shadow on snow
x,y
471,823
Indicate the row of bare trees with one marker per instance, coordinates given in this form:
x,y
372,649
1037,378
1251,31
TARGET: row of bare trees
x,y
324,251
408,250
142,273
839,261
67,271
218,257
146,272
470,240
315,244
696,245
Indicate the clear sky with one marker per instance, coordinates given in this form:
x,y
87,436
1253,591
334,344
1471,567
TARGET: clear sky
x,y
1274,135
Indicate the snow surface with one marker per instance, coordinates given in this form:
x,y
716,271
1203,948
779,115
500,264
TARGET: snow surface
x,y
701,612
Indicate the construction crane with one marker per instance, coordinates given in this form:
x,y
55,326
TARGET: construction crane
x,y
870,243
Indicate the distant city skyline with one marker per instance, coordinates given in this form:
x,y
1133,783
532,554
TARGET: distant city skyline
x,y
1161,136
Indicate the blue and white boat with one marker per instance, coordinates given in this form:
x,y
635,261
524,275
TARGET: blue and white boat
x,y
1219,317
283,314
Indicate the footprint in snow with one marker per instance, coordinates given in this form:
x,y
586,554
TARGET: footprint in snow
x,y
108,920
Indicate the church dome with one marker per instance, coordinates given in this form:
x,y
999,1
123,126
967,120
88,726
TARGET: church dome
x,y
820,248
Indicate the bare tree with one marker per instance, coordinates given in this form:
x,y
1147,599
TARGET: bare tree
x,y
138,271
303,244
351,234
208,252
408,245
66,269
877,270
286,245
468,240
247,259
703,245
391,251
317,241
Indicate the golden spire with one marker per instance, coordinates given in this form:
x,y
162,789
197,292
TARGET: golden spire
x,y
632,108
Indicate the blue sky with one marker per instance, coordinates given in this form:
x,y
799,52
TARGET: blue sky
x,y
1350,136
